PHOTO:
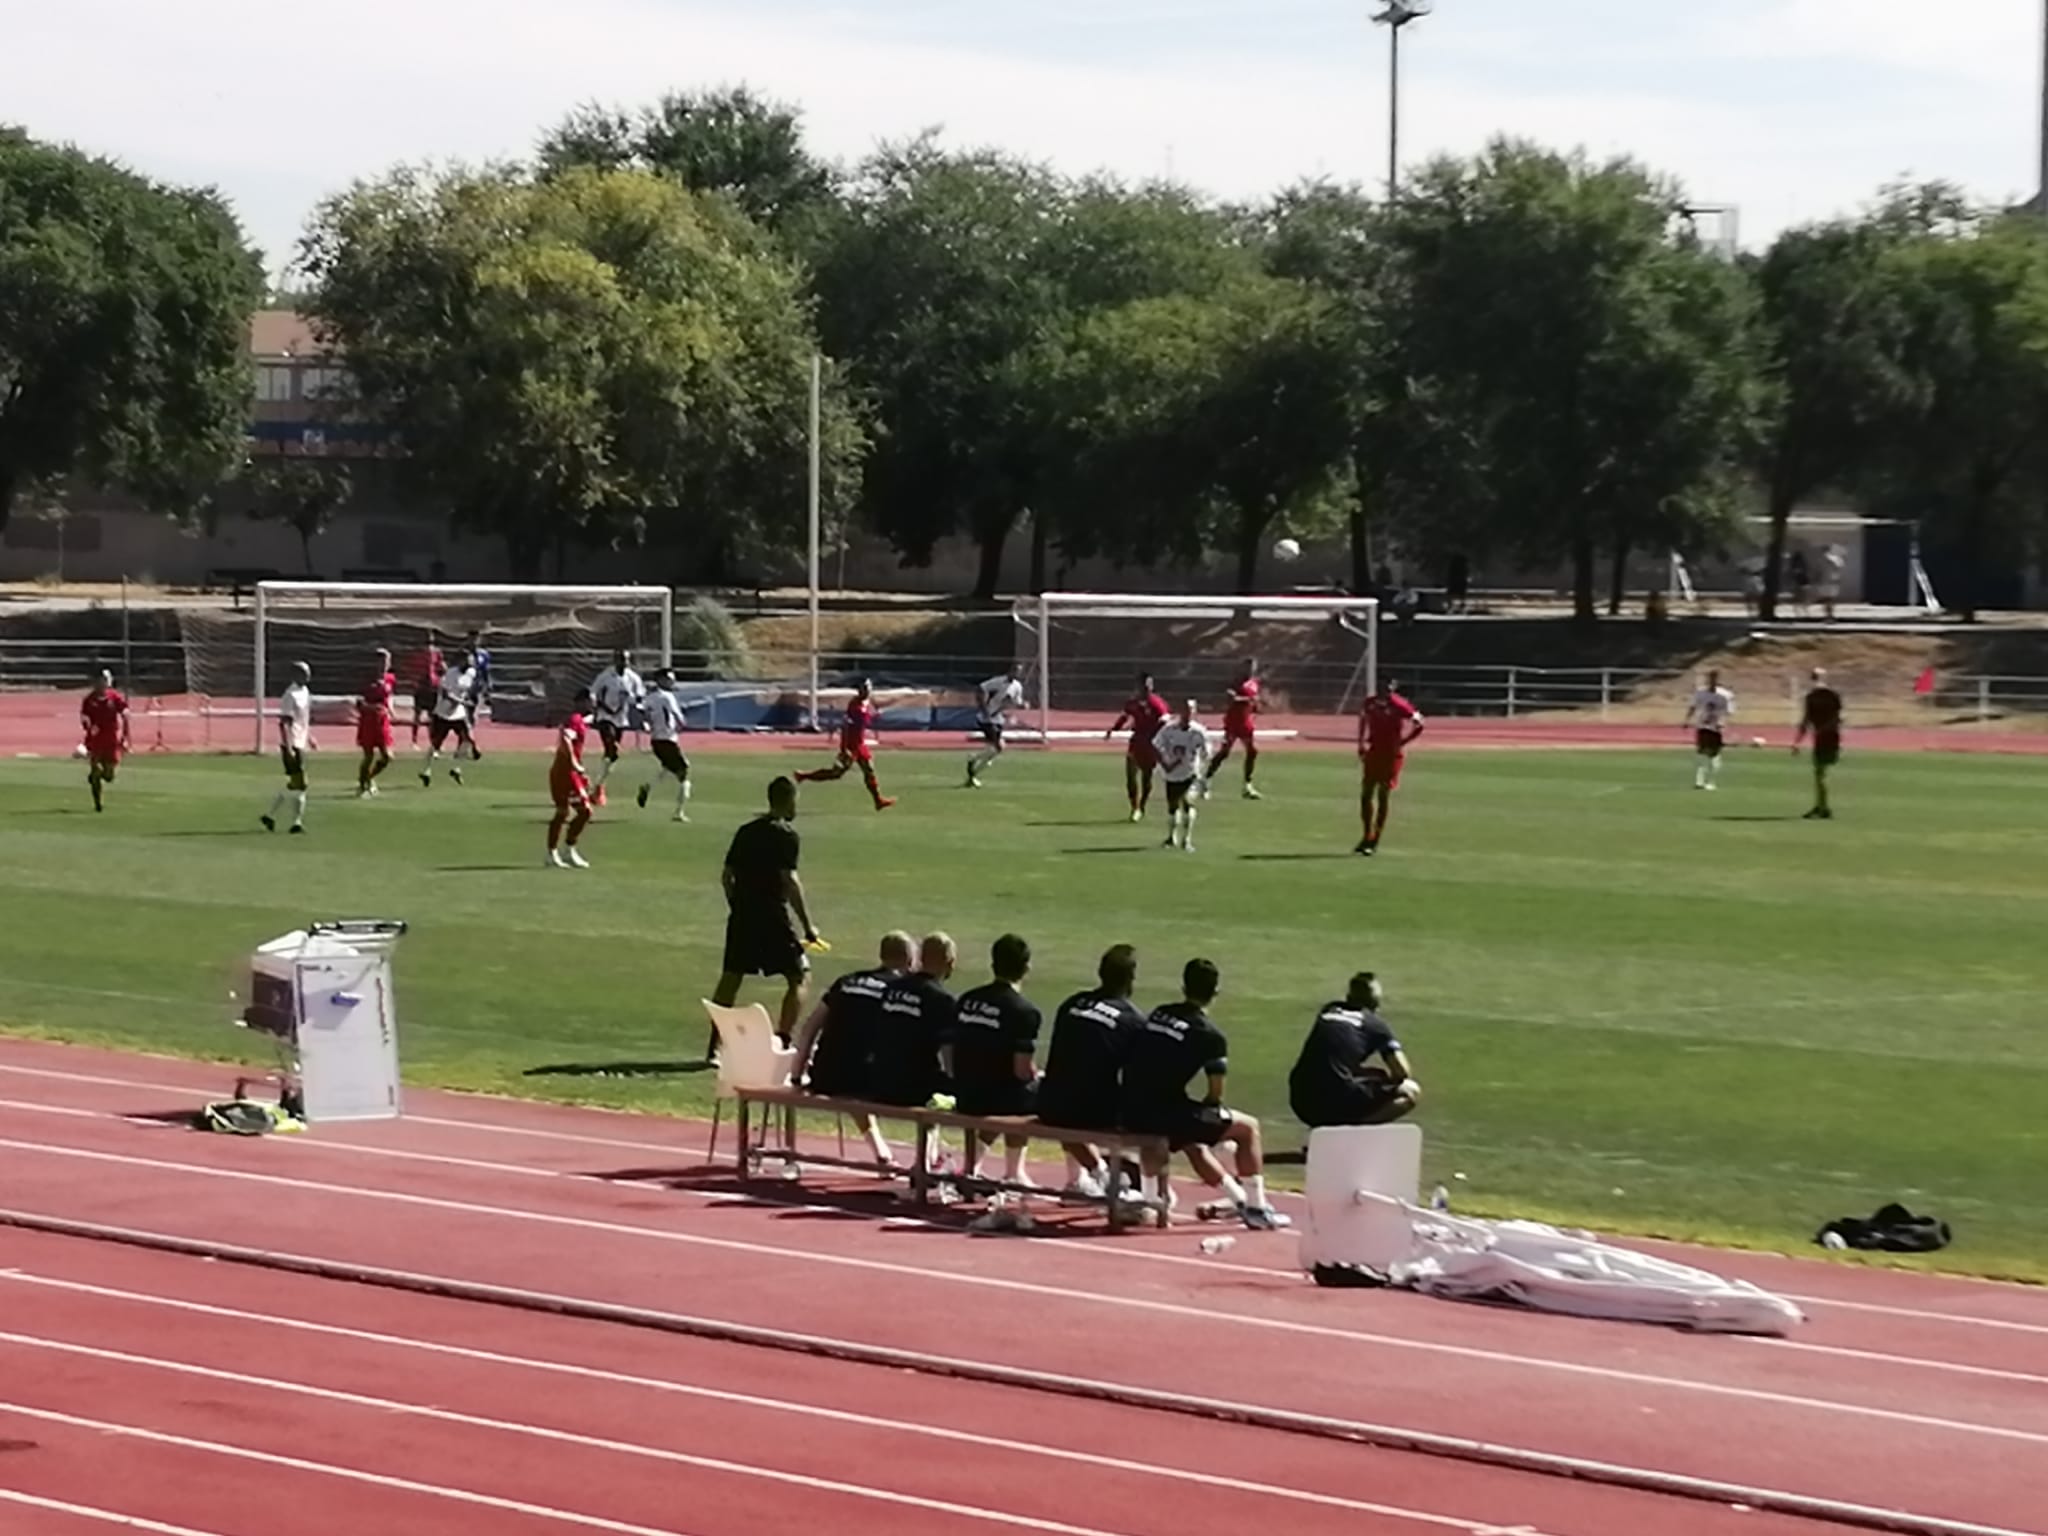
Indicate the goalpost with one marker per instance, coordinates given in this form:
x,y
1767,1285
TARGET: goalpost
x,y
1038,617
538,635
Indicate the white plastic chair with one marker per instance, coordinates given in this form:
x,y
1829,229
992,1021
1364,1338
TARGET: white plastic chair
x,y
749,1056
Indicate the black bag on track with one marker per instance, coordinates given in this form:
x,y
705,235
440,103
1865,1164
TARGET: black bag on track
x,y
1889,1229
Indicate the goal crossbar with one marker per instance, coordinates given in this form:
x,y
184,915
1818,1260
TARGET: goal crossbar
x,y
269,594
1036,615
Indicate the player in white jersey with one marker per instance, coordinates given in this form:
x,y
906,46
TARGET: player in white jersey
x,y
616,692
993,701
1712,708
451,716
1183,748
664,727
294,741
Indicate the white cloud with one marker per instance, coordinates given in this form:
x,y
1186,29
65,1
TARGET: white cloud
x,y
279,108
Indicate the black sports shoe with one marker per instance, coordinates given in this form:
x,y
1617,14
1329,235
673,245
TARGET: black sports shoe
x,y
1363,847
269,824
297,830
642,797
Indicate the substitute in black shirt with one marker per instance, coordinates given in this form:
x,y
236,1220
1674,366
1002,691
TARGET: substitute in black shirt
x,y
1352,1070
837,1044
995,1037
1822,719
1083,1067
1175,1044
916,1022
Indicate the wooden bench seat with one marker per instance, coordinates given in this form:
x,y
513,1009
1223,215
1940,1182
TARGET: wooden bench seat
x,y
978,1131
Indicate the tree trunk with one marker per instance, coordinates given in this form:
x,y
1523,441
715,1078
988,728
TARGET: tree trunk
x,y
1039,541
1617,588
7,483
306,549
1252,532
991,538
1783,500
1585,608
523,553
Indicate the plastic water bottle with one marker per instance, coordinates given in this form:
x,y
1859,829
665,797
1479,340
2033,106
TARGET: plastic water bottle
x,y
1215,1245
1440,1199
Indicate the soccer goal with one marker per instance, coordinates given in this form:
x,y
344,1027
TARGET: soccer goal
x,y
1318,655
543,640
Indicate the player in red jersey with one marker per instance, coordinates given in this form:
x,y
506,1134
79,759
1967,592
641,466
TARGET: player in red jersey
x,y
1386,725
570,786
1240,726
1146,713
103,718
854,747
373,725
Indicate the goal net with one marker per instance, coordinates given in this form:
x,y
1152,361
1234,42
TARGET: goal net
x,y
1318,657
544,642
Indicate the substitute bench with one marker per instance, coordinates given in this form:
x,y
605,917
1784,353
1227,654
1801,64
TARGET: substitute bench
x,y
1122,1204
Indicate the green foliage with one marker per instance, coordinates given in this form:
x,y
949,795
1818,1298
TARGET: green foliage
x,y
730,142
705,627
1969,458
600,357
124,309
1834,325
1601,372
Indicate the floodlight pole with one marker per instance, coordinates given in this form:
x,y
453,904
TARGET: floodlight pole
x,y
1398,14
815,498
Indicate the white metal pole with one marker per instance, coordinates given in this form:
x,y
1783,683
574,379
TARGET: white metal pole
x,y
817,389
127,646
1372,651
262,656
1044,670
668,627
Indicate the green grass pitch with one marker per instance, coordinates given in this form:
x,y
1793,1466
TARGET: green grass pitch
x,y
1632,1005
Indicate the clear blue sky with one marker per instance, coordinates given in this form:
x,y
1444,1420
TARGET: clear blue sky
x,y
1793,109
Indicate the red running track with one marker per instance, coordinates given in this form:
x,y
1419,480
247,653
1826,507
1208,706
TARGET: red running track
x,y
1913,1393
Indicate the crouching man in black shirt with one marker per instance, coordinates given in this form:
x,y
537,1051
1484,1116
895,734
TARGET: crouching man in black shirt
x,y
1175,1043
1081,1088
1352,1070
837,1043
995,1037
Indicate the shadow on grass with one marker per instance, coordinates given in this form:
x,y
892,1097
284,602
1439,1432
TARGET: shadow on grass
x,y
210,832
1099,821
1122,848
1755,818
1292,858
618,1068
481,869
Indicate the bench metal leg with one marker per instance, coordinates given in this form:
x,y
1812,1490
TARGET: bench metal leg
x,y
921,1164
741,1124
1113,1187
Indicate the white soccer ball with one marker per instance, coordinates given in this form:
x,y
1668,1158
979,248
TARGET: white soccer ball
x,y
1756,741
79,750
1287,549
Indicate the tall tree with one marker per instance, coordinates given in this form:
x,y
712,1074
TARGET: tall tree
x,y
1203,421
1604,367
729,141
1970,461
1834,328
599,357
124,313
932,290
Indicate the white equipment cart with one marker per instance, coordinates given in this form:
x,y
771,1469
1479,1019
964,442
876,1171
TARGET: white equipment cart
x,y
323,995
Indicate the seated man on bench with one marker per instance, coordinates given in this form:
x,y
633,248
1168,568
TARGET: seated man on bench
x,y
1081,1088
1352,1070
995,1037
915,1021
837,1041
1175,1043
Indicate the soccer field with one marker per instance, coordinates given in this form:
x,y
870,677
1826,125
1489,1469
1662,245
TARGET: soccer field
x,y
1632,1005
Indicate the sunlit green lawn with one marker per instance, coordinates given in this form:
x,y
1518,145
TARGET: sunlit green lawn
x,y
1632,1004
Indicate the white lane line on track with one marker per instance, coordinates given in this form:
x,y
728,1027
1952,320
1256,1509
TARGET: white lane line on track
x,y
1918,1314
1206,1317
748,1400
333,1469
104,1516
1795,1346
563,1437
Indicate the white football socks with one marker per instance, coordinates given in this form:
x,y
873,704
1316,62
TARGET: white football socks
x,y
298,807
1255,1189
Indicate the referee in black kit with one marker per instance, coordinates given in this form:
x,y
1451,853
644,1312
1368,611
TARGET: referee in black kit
x,y
767,924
